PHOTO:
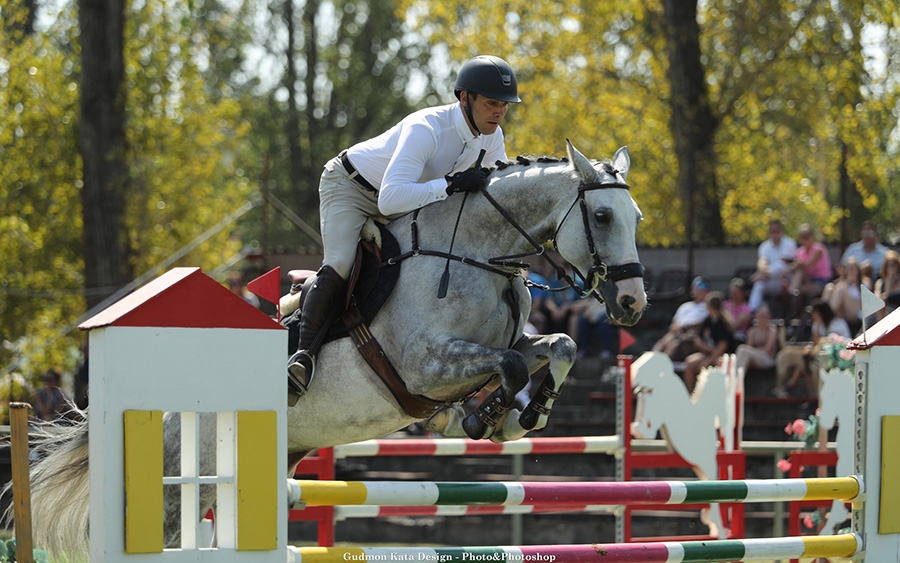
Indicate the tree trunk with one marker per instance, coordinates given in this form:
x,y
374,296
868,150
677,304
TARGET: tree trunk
x,y
693,125
102,146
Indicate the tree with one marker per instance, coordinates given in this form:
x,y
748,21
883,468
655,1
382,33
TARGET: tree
x,y
103,148
786,88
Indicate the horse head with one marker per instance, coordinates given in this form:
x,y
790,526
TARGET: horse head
x,y
656,387
602,243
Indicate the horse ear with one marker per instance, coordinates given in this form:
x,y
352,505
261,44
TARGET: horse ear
x,y
622,162
582,164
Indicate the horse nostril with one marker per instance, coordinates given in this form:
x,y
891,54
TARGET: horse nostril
x,y
627,301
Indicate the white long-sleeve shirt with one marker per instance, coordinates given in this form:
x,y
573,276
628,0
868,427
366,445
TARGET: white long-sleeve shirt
x,y
408,162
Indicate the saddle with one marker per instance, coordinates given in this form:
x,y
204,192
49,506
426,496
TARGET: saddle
x,y
371,281
368,287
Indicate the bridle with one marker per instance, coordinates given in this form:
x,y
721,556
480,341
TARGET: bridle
x,y
600,272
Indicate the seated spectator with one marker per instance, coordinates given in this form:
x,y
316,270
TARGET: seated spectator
x,y
887,287
772,271
761,345
678,341
713,339
238,287
795,361
539,295
867,248
50,402
559,307
811,269
738,309
843,295
867,274
592,320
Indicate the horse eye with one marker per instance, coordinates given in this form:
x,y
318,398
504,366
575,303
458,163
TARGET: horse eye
x,y
603,216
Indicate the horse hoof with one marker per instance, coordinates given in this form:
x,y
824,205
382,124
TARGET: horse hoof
x,y
475,428
528,419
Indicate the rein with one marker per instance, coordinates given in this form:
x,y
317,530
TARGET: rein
x,y
599,272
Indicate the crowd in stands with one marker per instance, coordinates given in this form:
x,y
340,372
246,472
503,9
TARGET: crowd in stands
x,y
780,316
771,320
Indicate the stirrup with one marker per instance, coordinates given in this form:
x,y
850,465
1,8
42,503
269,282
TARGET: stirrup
x,y
299,377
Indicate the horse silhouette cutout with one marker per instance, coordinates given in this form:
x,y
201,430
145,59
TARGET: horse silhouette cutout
x,y
687,422
837,405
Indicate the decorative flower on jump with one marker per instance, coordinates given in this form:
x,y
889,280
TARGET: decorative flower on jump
x,y
836,354
806,431
812,520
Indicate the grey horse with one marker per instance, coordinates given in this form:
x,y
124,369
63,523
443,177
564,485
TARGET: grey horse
x,y
444,349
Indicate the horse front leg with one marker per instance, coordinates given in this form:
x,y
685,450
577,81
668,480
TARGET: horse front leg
x,y
559,351
475,364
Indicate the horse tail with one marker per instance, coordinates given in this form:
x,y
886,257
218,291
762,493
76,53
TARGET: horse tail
x,y
60,490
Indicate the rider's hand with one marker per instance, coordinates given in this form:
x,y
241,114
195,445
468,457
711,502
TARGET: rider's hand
x,y
470,180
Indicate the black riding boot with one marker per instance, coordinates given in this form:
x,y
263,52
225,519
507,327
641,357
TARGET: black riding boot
x,y
321,308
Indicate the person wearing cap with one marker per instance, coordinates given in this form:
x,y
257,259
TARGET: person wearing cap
x,y
428,156
678,341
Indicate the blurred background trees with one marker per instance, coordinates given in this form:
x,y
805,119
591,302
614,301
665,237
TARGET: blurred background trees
x,y
152,136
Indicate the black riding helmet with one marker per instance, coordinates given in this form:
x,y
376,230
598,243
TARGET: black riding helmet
x,y
488,76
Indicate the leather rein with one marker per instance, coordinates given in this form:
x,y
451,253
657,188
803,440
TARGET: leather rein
x,y
419,406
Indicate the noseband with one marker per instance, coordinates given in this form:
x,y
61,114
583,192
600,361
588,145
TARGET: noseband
x,y
600,272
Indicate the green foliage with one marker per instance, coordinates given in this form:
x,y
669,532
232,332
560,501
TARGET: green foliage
x,y
787,81
8,553
801,112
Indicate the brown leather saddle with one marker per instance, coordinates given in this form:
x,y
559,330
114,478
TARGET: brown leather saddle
x,y
371,282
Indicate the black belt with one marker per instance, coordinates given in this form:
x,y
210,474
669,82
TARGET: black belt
x,y
354,175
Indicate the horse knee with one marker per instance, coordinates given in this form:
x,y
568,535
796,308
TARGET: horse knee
x,y
514,370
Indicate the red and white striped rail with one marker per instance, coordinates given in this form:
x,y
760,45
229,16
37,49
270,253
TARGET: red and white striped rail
x,y
464,446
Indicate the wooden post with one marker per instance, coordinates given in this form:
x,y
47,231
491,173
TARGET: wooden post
x,y
18,420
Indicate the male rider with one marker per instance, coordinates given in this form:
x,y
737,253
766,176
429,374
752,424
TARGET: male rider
x,y
426,157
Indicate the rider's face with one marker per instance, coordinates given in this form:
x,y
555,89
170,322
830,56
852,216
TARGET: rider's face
x,y
486,112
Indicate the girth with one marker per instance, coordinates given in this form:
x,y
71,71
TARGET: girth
x,y
415,406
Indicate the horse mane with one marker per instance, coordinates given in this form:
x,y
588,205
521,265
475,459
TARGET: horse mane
x,y
523,160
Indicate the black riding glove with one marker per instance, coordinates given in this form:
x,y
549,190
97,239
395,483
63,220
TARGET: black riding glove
x,y
470,180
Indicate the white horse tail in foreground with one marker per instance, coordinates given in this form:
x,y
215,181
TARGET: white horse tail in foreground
x,y
443,349
59,495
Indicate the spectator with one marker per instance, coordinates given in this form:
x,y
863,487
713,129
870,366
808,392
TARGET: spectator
x,y
795,361
82,378
887,287
593,320
867,248
772,272
50,403
738,309
538,288
811,269
867,274
762,343
678,341
843,295
237,287
712,340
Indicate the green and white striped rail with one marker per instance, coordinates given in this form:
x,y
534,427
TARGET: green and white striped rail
x,y
840,546
425,493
